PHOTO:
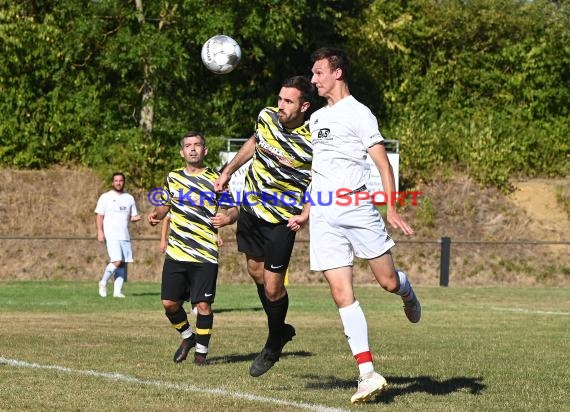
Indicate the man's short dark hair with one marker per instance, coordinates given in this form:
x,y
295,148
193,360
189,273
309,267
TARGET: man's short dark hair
x,y
302,84
337,59
118,174
193,133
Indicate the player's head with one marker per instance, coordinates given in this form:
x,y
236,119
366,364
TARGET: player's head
x,y
336,59
193,133
329,66
294,100
193,148
118,181
302,84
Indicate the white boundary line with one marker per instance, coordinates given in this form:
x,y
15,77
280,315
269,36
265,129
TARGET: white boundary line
x,y
168,385
531,311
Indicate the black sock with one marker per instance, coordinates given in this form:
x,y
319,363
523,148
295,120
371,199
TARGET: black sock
x,y
262,297
276,313
178,319
204,324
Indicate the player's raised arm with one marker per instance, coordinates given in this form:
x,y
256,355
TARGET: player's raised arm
x,y
244,154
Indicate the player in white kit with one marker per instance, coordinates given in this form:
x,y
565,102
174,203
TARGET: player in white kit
x,y
115,209
343,133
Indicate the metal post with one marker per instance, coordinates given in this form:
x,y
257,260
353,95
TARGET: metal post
x,y
444,261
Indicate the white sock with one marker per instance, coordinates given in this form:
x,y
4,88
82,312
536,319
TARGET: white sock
x,y
201,348
187,333
356,330
109,271
405,291
119,280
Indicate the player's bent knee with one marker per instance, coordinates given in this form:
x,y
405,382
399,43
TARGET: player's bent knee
x,y
204,308
170,306
275,294
390,286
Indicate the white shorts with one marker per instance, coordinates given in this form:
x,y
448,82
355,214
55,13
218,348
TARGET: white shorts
x,y
338,233
119,250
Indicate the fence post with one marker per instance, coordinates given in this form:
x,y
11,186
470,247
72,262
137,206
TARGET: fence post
x,y
444,261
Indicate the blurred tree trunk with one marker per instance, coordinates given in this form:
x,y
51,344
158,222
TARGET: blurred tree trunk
x,y
147,89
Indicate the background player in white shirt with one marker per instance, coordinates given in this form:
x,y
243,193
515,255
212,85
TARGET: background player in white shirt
x,y
115,209
342,133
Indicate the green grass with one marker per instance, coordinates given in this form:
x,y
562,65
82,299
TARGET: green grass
x,y
64,348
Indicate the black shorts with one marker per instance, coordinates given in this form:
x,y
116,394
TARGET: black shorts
x,y
260,239
191,281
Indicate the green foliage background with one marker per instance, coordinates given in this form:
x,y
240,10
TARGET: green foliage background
x,y
481,86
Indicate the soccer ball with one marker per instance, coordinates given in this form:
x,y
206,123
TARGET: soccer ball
x,y
221,54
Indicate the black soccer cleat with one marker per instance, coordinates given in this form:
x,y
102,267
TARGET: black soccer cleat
x,y
200,359
182,352
263,362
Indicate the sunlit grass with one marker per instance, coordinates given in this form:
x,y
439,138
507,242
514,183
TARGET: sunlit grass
x,y
491,349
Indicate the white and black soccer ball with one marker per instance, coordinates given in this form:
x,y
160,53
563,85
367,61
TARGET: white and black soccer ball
x,y
221,54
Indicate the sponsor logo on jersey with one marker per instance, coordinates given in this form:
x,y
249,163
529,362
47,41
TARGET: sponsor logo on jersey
x,y
324,134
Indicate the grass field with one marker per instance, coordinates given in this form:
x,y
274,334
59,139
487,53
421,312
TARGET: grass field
x,y
64,348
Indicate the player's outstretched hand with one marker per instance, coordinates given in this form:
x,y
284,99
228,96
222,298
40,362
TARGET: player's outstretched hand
x,y
397,222
153,219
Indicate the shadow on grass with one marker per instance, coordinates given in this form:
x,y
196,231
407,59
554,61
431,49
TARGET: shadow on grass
x,y
235,358
216,310
225,310
145,294
399,386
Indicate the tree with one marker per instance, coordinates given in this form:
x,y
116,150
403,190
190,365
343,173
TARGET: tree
x,y
479,85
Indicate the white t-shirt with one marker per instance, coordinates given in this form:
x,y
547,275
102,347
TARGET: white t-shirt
x,y
117,209
341,135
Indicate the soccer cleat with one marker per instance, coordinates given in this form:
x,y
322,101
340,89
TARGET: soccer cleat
x,y
200,359
287,334
102,290
368,386
263,362
413,310
182,352
118,295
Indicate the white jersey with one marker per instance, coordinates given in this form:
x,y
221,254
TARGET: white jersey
x,y
341,135
117,209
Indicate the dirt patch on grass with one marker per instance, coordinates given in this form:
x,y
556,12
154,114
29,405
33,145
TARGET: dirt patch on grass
x,y
61,202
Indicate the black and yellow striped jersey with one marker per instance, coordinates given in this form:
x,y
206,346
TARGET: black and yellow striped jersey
x,y
280,172
192,201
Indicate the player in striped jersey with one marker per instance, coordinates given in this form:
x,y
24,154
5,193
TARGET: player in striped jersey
x,y
272,208
191,264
